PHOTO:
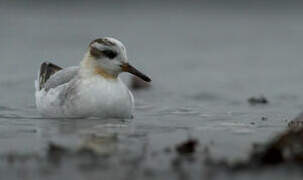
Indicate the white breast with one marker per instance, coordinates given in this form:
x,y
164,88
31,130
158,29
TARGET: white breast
x,y
102,98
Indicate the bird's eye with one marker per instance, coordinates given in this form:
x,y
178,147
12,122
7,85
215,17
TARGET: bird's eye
x,y
109,53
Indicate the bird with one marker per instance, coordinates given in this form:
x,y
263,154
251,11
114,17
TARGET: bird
x,y
91,89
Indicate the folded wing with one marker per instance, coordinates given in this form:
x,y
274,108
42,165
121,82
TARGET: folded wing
x,y
51,75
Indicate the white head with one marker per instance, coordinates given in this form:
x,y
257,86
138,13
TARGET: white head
x,y
109,56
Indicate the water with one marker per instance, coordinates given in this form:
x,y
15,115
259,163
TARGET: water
x,y
204,61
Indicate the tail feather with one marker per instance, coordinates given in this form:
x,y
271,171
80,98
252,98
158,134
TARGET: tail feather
x,y
47,69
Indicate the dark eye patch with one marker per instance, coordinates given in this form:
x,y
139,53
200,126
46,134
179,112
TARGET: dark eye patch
x,y
109,53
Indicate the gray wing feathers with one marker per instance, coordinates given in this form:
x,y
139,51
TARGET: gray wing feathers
x,y
61,77
47,69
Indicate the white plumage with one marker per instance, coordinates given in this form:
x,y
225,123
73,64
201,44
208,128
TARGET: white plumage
x,y
92,89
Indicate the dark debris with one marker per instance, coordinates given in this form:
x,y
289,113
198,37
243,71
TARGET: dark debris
x,y
257,100
187,147
286,148
55,152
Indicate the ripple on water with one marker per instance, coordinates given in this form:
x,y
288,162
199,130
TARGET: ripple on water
x,y
179,111
185,111
6,108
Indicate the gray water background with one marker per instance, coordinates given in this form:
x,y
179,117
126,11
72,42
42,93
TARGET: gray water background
x,y
205,60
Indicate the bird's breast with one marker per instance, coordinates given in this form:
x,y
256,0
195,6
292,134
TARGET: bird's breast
x,y
106,98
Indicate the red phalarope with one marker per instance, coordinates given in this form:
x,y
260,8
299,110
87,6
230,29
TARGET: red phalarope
x,y
92,89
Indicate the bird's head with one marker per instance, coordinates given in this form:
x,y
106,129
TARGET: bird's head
x,y
110,58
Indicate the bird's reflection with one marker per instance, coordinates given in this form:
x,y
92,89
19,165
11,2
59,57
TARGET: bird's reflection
x,y
105,144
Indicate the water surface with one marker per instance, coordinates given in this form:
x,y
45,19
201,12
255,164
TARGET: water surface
x,y
204,62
